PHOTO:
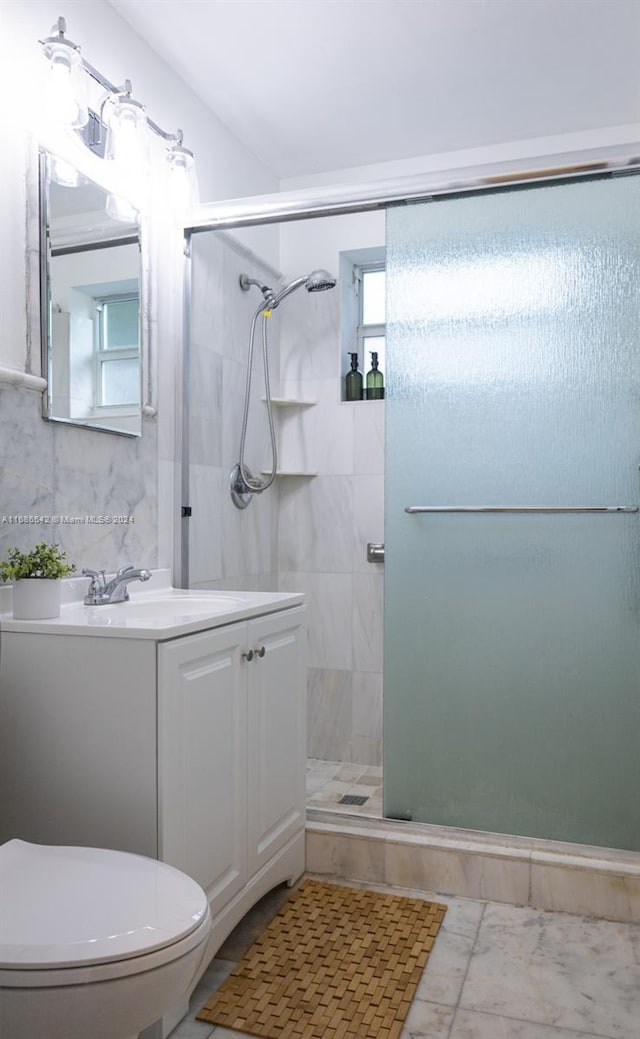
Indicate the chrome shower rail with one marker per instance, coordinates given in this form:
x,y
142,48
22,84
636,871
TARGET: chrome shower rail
x,y
521,508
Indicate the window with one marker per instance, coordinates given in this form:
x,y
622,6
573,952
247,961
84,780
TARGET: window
x,y
369,281
117,353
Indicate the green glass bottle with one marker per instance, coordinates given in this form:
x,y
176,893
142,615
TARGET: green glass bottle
x,y
375,380
353,380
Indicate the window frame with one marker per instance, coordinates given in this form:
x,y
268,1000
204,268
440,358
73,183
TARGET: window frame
x,y
102,355
366,331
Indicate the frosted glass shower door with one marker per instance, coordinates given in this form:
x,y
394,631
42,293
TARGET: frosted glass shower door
x,y
512,638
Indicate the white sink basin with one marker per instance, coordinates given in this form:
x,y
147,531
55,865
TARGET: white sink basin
x,y
164,607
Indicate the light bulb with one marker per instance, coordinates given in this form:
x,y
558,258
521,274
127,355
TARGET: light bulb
x,y
183,191
66,91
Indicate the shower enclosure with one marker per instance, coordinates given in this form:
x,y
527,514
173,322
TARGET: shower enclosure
x,y
511,637
512,528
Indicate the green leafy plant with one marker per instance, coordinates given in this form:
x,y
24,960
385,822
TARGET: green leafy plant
x,y
45,561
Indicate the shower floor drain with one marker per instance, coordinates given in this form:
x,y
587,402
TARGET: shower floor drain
x,y
353,799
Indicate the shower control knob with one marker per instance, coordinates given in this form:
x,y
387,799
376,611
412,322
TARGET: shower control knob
x,y
248,656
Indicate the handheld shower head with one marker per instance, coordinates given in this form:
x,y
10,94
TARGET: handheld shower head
x,y
320,281
317,281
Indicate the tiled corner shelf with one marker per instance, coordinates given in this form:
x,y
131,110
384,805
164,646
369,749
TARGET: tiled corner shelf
x,y
291,472
291,402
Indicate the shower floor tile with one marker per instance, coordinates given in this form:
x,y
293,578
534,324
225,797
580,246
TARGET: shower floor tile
x,y
328,781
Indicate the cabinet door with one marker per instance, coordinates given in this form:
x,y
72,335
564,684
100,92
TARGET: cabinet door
x,y
277,732
202,721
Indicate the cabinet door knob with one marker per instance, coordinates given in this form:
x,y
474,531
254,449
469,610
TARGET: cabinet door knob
x,y
248,656
261,652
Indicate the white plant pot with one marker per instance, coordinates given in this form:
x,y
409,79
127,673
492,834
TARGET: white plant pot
x,y
36,598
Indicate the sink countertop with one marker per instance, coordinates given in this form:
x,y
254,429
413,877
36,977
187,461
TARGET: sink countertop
x,y
159,613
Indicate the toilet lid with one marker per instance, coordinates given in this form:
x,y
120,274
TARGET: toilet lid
x,y
65,907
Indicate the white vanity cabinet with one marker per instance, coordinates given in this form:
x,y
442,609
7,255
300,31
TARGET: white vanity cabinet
x,y
190,749
231,763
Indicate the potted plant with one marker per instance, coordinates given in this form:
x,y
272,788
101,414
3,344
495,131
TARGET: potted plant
x,y
35,577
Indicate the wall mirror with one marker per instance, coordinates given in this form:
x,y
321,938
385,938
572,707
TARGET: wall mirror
x,y
91,302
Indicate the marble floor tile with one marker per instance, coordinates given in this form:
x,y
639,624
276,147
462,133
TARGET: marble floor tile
x,y
427,1021
469,1024
547,968
495,972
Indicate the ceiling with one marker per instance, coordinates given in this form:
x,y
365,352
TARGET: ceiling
x,y
315,85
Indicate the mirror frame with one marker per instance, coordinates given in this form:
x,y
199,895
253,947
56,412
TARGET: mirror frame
x,y
146,407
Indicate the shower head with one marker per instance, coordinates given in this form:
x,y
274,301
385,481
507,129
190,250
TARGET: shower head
x,y
317,281
320,281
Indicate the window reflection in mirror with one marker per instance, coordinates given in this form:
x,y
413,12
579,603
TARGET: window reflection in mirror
x,y
91,304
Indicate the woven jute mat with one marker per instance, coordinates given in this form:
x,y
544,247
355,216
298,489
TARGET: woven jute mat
x,y
335,963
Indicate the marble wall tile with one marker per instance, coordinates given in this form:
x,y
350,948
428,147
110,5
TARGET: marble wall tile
x,y
310,335
239,308
315,528
367,621
207,293
586,892
366,715
233,389
167,508
27,474
51,469
368,520
247,535
329,598
206,488
368,438
330,426
456,872
556,969
205,408
367,750
329,715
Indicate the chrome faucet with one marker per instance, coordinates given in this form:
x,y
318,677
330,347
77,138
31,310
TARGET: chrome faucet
x,y
101,592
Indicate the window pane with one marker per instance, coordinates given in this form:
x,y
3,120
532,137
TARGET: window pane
x,y
121,381
369,344
121,324
373,283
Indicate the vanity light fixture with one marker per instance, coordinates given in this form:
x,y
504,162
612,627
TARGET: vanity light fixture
x,y
126,120
66,93
183,188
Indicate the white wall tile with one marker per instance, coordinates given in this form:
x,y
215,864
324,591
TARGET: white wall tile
x,y
367,621
329,598
315,524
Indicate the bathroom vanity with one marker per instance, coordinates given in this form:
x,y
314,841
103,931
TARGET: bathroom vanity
x,y
172,726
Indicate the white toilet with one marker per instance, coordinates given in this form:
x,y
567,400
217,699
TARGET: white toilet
x,y
93,942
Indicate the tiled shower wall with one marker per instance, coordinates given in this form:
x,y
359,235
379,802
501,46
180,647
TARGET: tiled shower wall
x,y
307,533
324,525
229,548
